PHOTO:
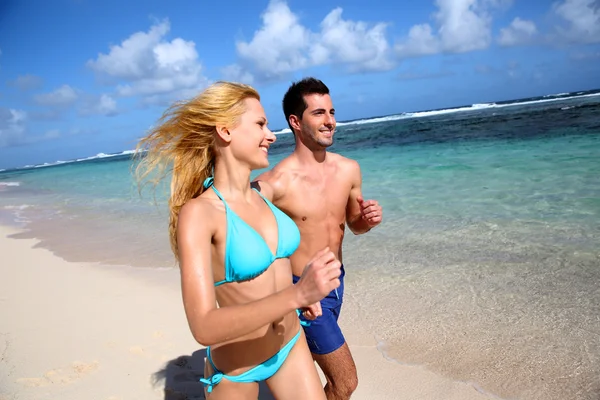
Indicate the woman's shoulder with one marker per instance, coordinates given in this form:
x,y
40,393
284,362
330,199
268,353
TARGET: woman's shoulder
x,y
201,209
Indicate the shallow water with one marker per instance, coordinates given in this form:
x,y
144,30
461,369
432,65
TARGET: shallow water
x,y
486,267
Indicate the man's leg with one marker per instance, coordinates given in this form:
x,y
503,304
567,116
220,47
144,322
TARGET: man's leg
x,y
340,371
329,349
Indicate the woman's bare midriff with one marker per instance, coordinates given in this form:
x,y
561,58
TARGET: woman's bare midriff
x,y
241,354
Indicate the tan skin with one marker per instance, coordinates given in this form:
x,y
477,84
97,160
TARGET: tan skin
x,y
321,192
255,318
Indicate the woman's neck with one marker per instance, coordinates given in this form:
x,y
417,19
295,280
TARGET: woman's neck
x,y
232,179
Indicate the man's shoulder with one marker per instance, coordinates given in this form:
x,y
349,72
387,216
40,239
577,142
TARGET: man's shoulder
x,y
277,180
279,171
347,164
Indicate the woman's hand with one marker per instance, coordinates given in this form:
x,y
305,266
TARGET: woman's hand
x,y
319,278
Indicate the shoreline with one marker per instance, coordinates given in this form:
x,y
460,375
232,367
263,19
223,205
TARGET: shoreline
x,y
76,330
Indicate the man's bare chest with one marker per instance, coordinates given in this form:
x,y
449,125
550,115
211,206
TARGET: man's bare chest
x,y
318,199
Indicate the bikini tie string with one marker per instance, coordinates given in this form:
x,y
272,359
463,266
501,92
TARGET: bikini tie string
x,y
208,181
212,381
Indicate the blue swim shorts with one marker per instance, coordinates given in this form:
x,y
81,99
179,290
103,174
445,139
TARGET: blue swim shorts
x,y
323,334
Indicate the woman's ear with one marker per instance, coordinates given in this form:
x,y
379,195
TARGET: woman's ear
x,y
224,134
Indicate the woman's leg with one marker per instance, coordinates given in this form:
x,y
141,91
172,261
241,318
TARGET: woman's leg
x,y
298,377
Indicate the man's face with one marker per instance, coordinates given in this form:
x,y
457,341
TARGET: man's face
x,y
318,120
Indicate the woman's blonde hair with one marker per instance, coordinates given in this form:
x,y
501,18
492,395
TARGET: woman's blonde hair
x,y
184,141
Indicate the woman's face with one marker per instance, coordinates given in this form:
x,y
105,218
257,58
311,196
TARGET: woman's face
x,y
251,138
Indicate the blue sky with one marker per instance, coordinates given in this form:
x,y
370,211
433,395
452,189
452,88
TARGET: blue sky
x,y
80,77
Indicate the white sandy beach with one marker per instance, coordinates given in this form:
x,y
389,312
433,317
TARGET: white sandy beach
x,y
81,331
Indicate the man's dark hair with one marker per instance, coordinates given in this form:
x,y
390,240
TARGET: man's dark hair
x,y
293,101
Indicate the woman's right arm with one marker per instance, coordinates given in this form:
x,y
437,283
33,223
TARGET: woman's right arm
x,y
211,325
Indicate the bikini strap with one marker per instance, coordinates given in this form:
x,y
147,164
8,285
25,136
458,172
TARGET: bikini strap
x,y
269,203
209,182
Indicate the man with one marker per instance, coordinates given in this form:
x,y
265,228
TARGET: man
x,y
321,192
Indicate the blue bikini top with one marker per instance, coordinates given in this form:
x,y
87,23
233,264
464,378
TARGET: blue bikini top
x,y
247,255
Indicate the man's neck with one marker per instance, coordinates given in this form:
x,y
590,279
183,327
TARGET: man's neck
x,y
306,155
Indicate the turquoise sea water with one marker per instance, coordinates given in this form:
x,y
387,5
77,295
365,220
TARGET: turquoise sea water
x,y
486,268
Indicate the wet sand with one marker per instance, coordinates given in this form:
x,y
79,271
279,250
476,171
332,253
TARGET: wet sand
x,y
75,330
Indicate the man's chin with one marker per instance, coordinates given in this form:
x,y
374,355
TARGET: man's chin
x,y
325,143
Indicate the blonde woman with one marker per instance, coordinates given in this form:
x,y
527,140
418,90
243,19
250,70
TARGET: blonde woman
x,y
233,244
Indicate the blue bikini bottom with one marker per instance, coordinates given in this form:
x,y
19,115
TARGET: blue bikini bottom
x,y
261,372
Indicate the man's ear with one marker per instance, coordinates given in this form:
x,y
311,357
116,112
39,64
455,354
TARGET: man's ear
x,y
224,134
294,122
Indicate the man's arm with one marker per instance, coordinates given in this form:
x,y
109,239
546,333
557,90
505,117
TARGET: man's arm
x,y
361,215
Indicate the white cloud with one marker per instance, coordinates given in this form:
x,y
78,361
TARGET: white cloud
x,y
12,126
413,74
582,18
513,69
520,31
107,105
52,134
236,73
462,26
103,105
280,46
27,82
585,56
484,69
421,41
148,65
353,43
283,45
63,96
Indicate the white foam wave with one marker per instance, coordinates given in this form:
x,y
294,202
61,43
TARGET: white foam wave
x,y
559,94
104,155
21,207
374,120
10,184
474,107
96,157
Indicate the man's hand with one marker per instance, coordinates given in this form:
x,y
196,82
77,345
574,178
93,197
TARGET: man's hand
x,y
370,211
313,311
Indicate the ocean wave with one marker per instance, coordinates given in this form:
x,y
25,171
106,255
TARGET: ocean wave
x,y
10,184
18,208
559,94
104,155
473,107
374,120
96,157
